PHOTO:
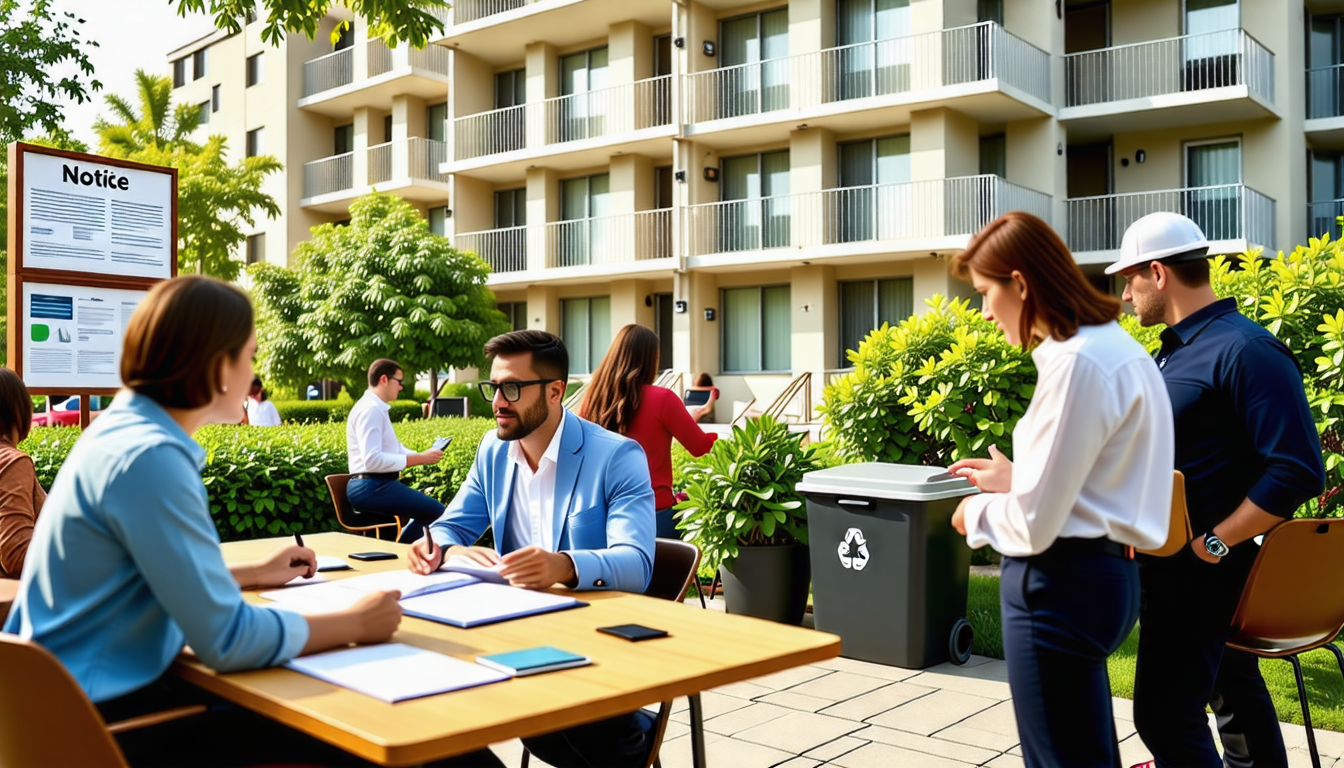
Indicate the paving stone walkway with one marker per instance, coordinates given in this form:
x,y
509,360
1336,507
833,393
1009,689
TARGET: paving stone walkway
x,y
855,714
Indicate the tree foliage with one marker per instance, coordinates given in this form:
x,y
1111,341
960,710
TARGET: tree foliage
x,y
35,44
216,201
396,21
381,286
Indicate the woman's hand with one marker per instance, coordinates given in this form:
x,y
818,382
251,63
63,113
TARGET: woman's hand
x,y
992,475
375,617
279,567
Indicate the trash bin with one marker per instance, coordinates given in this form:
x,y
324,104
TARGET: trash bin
x,y
889,574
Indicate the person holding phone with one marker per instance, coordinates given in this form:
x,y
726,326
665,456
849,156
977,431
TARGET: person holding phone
x,y
377,457
125,567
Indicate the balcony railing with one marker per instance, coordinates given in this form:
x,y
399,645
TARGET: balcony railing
x,y
1176,65
1323,217
605,112
382,59
331,71
1325,92
880,212
921,62
505,250
413,158
609,239
471,10
1224,212
330,174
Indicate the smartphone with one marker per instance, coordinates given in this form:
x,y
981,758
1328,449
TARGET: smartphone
x,y
441,443
633,632
373,556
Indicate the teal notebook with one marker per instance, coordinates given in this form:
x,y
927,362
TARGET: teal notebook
x,y
533,661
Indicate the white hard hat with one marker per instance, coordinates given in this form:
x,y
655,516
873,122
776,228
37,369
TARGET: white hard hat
x,y
1159,236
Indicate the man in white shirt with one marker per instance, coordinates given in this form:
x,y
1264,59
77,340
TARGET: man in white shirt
x,y
377,457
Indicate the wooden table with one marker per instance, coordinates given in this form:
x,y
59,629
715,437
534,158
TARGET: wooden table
x,y
707,649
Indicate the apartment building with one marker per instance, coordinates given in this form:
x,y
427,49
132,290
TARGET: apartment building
x,y
764,182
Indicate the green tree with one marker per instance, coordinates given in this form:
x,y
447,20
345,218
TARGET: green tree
x,y
409,21
381,286
216,200
36,44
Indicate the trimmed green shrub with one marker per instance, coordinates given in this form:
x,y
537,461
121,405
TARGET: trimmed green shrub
x,y
323,411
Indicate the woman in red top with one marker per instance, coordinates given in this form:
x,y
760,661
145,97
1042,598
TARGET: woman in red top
x,y
621,398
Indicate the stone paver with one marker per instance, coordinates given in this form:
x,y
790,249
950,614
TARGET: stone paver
x,y
790,677
749,716
940,747
797,732
886,756
713,704
720,751
876,702
744,690
867,668
796,701
929,714
833,749
989,679
994,728
1006,761
838,686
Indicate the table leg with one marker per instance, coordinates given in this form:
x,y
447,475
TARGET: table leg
x,y
697,731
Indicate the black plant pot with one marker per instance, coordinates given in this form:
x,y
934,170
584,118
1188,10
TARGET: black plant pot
x,y
768,582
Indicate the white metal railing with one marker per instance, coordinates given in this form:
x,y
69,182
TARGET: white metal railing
x,y
505,250
382,59
885,212
1325,92
1175,65
330,174
1323,216
920,62
411,158
609,239
471,10
330,71
1224,212
592,114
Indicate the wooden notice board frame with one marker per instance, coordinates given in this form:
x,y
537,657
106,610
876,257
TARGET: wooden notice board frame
x,y
18,273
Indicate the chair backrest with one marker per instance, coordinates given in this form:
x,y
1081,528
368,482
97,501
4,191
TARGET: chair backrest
x,y
45,718
1294,597
345,514
1178,524
674,565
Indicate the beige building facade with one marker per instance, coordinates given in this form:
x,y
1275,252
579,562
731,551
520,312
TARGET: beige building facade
x,y
763,183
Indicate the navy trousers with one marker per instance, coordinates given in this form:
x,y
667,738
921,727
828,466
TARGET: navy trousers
x,y
1063,614
389,497
1184,663
666,524
617,742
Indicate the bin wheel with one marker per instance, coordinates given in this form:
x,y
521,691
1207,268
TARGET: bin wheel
x,y
959,642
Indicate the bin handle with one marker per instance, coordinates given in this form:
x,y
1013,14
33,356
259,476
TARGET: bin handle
x,y
862,503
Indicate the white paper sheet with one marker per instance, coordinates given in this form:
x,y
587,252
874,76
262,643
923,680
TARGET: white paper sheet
x,y
339,594
394,672
480,603
486,573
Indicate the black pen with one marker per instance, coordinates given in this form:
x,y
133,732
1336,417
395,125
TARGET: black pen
x,y
296,562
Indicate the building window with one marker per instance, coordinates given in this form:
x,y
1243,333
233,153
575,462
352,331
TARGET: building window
x,y
344,139
584,207
516,311
436,115
255,69
204,118
510,88
511,208
179,73
762,39
255,139
214,98
758,188
866,304
585,325
387,128
756,329
874,203
994,155
198,64
438,220
256,248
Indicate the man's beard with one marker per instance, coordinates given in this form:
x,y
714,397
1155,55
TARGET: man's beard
x,y
525,423
1151,310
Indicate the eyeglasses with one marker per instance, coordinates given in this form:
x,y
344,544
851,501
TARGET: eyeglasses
x,y
512,390
399,381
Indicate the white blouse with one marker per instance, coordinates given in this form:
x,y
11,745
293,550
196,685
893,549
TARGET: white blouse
x,y
1093,453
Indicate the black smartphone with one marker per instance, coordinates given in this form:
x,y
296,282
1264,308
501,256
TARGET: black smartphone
x,y
441,443
373,556
633,632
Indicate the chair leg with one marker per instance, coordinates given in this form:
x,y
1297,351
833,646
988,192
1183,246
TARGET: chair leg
x,y
527,758
1339,656
1306,710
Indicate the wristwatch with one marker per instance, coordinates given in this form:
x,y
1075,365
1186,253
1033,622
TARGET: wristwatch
x,y
1214,545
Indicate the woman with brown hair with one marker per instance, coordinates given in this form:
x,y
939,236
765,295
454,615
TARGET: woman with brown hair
x,y
622,398
1091,481
125,565
21,497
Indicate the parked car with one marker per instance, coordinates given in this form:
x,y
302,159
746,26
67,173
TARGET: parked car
x,y
65,413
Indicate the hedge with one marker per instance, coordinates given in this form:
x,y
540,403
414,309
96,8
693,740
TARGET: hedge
x,y
323,411
270,481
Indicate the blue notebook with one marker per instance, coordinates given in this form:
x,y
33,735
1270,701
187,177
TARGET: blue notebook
x,y
533,661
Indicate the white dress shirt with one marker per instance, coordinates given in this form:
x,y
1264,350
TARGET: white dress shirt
x,y
531,519
369,440
1093,453
262,414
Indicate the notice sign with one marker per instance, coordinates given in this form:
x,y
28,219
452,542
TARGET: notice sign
x,y
74,333
85,216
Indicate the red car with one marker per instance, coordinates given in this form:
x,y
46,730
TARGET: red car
x,y
64,413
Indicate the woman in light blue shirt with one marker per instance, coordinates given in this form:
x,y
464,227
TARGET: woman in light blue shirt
x,y
125,567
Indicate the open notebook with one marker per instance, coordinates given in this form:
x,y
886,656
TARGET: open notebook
x,y
394,672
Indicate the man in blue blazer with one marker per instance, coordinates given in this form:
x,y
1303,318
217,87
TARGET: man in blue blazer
x,y
570,503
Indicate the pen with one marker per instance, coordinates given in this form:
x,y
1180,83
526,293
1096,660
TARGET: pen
x,y
296,562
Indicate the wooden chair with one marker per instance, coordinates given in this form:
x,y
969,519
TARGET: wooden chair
x,y
45,718
1179,532
1293,601
349,518
674,566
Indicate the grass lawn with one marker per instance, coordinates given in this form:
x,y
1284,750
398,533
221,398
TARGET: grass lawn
x,y
1325,686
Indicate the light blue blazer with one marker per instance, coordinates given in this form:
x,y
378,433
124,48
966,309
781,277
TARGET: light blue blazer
x,y
604,511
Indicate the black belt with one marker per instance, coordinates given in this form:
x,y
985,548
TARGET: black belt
x,y
1103,547
375,476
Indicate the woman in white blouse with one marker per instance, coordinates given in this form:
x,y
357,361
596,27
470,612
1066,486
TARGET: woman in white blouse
x,y
260,411
1091,481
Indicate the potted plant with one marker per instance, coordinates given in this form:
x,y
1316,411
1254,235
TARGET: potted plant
x,y
744,514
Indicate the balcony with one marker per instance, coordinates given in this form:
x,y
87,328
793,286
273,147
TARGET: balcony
x,y
991,74
578,249
406,167
371,75
1323,217
505,250
583,125
1325,107
1189,80
917,216
1234,217
495,31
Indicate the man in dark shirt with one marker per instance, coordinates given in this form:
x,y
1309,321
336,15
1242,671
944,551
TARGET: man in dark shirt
x,y
1247,445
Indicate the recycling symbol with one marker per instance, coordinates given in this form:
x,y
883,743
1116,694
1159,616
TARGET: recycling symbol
x,y
854,550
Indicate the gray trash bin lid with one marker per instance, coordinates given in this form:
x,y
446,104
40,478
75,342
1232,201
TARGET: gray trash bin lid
x,y
877,480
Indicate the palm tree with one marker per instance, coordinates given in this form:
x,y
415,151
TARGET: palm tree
x,y
151,126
